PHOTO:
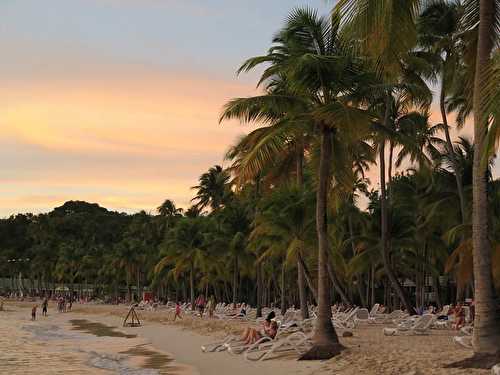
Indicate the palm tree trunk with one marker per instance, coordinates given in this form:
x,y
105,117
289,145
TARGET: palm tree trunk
x,y
336,284
451,153
191,285
325,340
283,288
385,234
486,337
259,290
235,281
300,270
304,310
307,277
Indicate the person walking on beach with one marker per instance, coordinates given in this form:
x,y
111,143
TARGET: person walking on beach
x,y
177,311
211,307
200,303
33,312
44,306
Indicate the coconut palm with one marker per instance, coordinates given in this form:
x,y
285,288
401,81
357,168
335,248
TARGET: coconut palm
x,y
439,28
485,16
212,190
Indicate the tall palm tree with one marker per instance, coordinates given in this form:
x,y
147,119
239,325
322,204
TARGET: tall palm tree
x,y
439,28
486,18
330,75
275,150
394,25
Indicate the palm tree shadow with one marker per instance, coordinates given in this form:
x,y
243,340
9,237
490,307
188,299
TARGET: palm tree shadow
x,y
477,361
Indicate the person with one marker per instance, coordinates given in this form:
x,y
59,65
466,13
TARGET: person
x,y
177,311
269,328
44,306
33,312
200,304
459,317
211,307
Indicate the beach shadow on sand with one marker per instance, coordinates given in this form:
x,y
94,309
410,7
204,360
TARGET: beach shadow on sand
x,y
98,329
484,362
152,359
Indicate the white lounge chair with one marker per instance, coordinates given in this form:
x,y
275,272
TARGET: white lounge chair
x,y
362,316
419,327
219,346
265,348
463,341
346,321
495,370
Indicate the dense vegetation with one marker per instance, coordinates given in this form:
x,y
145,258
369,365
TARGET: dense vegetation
x,y
286,222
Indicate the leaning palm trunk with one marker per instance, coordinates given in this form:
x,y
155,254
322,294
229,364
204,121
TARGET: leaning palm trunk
x,y
325,341
309,281
451,153
486,338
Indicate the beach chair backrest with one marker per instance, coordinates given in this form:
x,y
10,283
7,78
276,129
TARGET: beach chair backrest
x,y
351,315
362,314
424,322
374,309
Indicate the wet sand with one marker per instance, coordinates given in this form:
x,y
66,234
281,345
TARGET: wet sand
x,y
63,343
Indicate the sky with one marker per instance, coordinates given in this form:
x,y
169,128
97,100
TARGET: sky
x,y
117,101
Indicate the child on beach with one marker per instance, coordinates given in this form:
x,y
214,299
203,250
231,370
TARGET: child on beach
x,y
177,311
33,312
44,306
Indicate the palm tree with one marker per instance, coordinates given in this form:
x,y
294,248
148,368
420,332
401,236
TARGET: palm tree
x,y
400,72
274,151
486,338
439,26
212,189
184,248
283,228
319,66
168,209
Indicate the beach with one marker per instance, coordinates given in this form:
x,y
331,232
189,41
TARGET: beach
x,y
91,338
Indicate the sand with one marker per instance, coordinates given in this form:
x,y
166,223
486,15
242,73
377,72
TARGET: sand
x,y
368,351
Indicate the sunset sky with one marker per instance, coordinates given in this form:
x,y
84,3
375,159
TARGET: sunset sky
x,y
117,101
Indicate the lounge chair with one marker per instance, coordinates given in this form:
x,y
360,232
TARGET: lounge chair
x,y
463,341
345,321
495,370
265,347
362,316
420,326
218,346
395,316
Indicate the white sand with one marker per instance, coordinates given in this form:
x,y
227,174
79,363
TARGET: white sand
x,y
369,351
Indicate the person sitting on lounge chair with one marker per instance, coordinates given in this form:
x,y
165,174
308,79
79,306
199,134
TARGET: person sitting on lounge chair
x,y
269,328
